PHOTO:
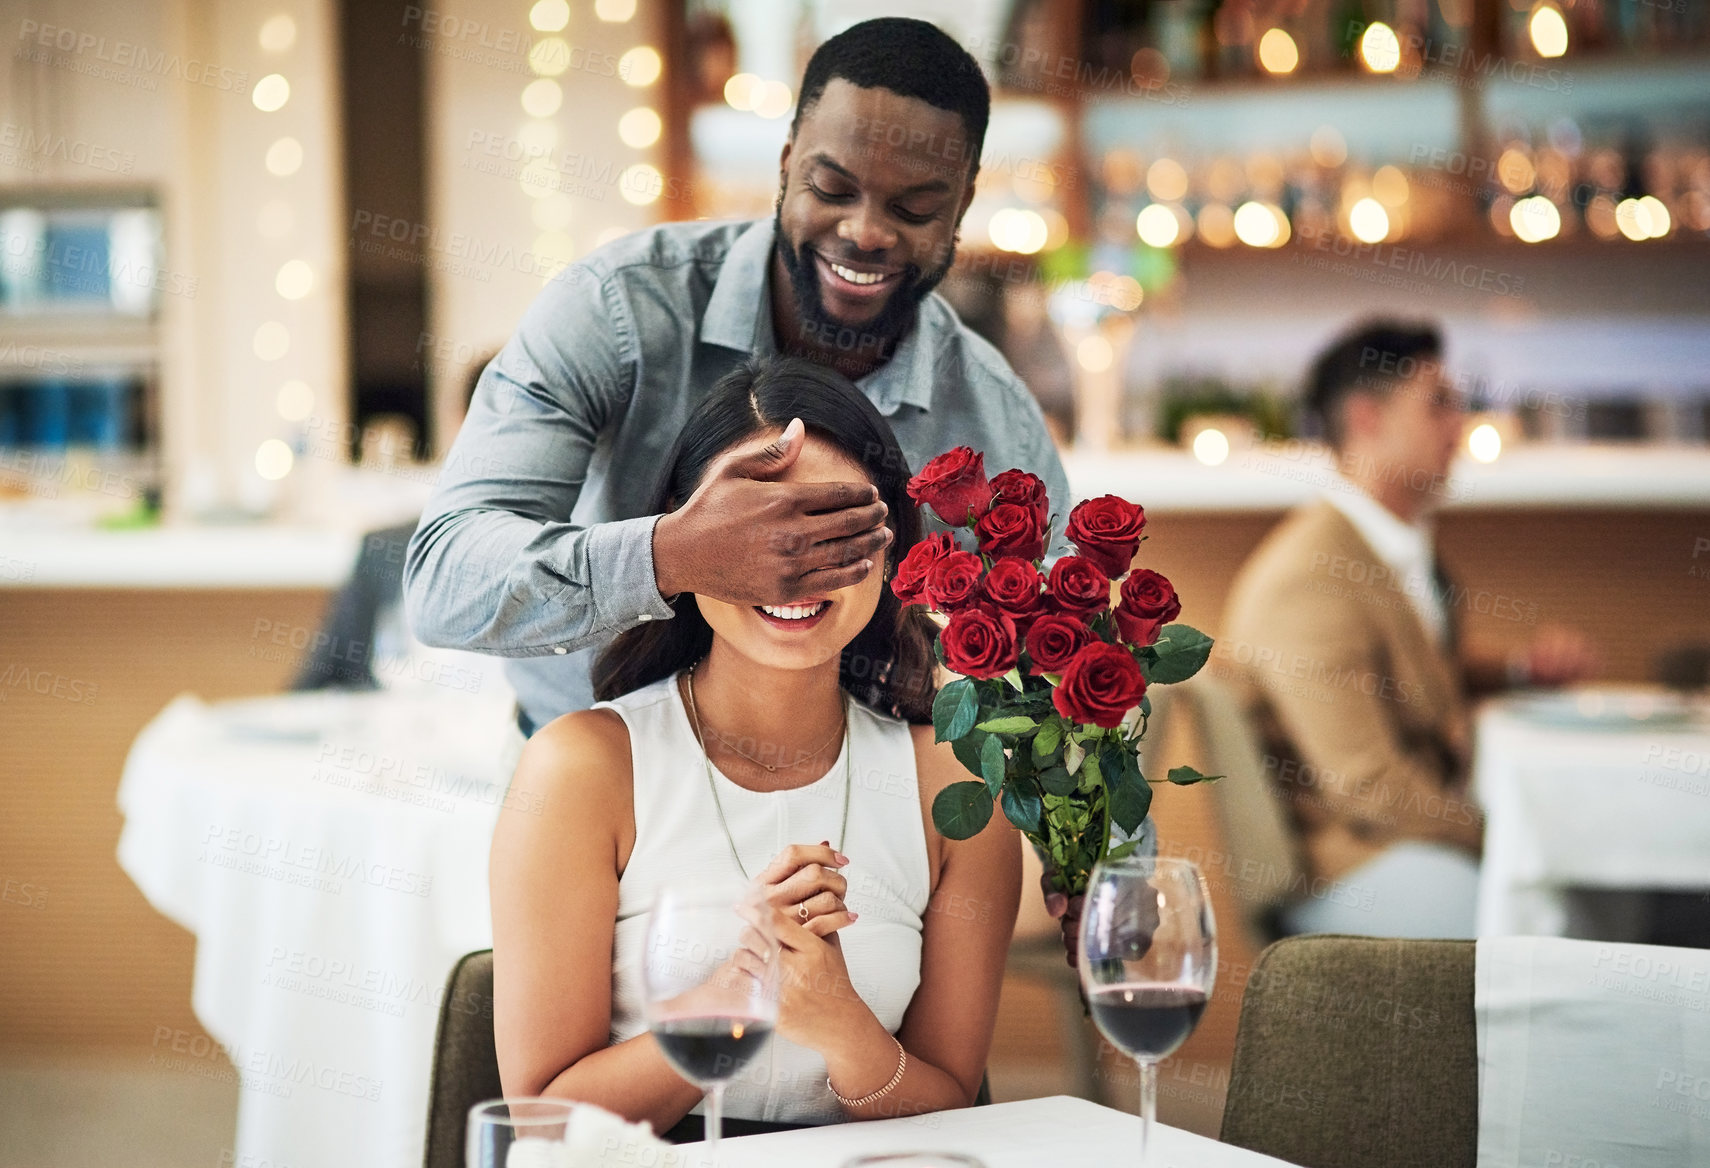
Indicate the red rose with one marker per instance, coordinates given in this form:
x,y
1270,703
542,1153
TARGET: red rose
x,y
1106,530
1148,604
1053,640
1078,585
979,642
910,581
953,484
1100,686
1011,529
1013,586
953,580
1026,490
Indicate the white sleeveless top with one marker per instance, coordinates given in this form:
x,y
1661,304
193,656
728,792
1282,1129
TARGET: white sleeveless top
x,y
678,838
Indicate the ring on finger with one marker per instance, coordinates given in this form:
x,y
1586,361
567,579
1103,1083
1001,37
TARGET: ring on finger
x,y
802,910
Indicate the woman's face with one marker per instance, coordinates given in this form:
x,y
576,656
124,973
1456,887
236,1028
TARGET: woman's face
x,y
814,630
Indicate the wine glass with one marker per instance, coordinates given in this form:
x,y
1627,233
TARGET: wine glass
x,y
516,1133
1148,959
709,975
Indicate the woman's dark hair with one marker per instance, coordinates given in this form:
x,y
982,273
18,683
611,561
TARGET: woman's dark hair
x,y
889,664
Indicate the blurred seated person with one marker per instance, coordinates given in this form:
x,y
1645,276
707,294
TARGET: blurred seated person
x,y
1341,638
364,622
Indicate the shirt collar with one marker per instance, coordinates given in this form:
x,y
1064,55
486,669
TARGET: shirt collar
x,y
1398,543
739,316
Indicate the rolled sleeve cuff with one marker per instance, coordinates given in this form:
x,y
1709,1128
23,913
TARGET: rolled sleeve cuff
x,y
620,562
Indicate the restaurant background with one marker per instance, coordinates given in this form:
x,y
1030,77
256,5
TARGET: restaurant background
x,y
252,254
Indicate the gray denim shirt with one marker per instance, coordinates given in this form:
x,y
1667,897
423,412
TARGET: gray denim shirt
x,y
537,541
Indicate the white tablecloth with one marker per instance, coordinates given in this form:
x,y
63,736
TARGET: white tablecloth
x,y
1590,808
1591,1053
329,851
1032,1133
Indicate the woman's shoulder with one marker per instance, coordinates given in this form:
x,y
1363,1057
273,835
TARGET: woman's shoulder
x,y
572,761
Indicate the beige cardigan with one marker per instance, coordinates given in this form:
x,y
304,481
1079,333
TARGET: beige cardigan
x,y
1363,718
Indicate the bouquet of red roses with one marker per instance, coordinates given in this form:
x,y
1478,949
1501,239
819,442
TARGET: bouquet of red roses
x,y
1051,705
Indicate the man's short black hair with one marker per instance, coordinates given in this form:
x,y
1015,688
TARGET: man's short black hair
x,y
910,58
1372,357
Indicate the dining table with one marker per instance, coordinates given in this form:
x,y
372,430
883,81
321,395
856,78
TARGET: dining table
x,y
1596,798
328,849
1027,1133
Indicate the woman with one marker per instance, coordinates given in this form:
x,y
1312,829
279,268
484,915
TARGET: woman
x,y
719,737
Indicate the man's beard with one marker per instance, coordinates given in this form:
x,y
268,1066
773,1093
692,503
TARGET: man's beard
x,y
879,335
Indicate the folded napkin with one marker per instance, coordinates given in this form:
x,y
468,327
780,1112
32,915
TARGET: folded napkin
x,y
1592,1055
593,1138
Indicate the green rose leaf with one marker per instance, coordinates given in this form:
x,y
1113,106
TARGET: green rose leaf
x,y
954,710
1091,774
1181,651
1024,809
967,750
1014,679
1014,724
1122,851
1130,800
1073,752
1186,776
1056,780
992,763
1050,736
961,810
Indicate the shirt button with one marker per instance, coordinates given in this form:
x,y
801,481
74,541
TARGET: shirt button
x,y
645,616
560,649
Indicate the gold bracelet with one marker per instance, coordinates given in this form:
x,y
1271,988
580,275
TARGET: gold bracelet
x,y
902,1065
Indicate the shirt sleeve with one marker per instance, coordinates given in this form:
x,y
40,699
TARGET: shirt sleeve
x,y
495,564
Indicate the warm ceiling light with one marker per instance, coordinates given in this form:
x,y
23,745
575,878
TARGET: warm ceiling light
x,y
1515,170
1535,220
1211,446
1167,180
541,98
295,280
741,91
1328,146
273,459
549,15
1389,186
1095,354
284,157
641,184
1157,226
278,33
640,66
1277,52
1600,217
1368,221
271,93
1260,225
1657,219
614,11
1216,225
773,99
1549,31
549,57
1380,48
1485,442
640,127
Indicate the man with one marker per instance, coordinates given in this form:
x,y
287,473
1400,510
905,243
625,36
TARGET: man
x,y
536,544
1340,637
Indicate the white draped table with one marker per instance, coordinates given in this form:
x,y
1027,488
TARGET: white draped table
x,y
1596,803
329,852
1031,1133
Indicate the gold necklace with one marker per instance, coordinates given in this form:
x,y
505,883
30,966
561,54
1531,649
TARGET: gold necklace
x,y
731,746
718,806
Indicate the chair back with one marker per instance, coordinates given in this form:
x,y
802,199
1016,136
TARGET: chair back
x,y
465,1058
1264,867
1354,1051
466,1063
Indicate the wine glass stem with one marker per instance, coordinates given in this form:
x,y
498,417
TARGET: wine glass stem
x,y
1148,1107
715,1121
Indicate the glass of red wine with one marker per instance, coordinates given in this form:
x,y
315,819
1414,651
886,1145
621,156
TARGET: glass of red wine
x,y
709,975
1148,958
